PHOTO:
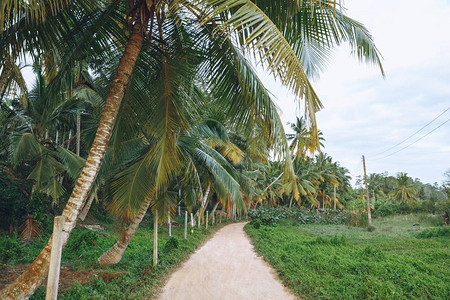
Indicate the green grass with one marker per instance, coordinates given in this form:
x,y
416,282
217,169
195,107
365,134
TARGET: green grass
x,y
341,262
137,278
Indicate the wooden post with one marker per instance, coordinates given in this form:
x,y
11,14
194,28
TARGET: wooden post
x,y
170,227
213,218
185,225
192,223
55,260
179,211
206,219
369,216
155,239
198,219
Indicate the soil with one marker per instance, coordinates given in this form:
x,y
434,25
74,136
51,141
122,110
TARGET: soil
x,y
226,267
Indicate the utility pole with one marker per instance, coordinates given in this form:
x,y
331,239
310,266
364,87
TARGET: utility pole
x,y
369,216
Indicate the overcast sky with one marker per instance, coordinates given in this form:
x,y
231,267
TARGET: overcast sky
x,y
366,114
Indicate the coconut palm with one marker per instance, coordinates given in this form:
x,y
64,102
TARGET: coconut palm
x,y
130,185
252,26
405,189
45,111
302,140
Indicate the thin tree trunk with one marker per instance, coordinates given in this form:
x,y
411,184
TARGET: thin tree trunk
x,y
78,133
204,201
334,194
290,203
214,209
68,140
86,208
323,200
4,77
25,285
114,254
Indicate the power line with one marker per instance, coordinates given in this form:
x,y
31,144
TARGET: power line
x,y
411,134
412,142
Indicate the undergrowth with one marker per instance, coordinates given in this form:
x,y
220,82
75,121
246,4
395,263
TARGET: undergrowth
x,y
321,261
132,278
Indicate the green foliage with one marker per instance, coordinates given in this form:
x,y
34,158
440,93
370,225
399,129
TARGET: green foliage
x,y
135,275
82,240
271,216
434,232
256,223
172,243
12,203
10,248
321,261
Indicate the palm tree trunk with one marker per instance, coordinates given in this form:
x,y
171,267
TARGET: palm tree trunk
x,y
78,133
4,77
68,140
334,194
86,208
114,254
25,285
214,209
204,201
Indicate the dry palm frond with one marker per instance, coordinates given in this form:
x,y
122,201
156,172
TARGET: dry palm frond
x,y
29,229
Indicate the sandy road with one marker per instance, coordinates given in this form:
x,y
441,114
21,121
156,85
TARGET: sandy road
x,y
226,267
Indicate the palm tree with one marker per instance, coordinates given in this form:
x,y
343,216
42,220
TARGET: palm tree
x,y
133,182
45,111
303,138
254,26
405,190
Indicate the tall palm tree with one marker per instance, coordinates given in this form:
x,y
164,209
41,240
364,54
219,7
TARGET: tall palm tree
x,y
405,189
252,26
302,140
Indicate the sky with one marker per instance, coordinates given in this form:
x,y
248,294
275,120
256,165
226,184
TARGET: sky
x,y
366,114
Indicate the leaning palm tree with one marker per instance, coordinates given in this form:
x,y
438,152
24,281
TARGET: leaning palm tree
x,y
308,28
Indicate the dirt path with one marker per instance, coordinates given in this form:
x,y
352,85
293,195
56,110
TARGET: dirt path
x,y
226,267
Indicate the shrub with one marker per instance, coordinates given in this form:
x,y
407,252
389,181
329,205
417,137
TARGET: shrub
x,y
10,248
434,232
172,243
256,223
271,216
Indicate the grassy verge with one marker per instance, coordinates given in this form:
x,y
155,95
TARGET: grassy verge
x,y
133,277
395,261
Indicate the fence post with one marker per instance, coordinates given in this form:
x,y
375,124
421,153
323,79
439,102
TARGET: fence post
x,y
192,223
185,225
207,215
55,260
170,227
